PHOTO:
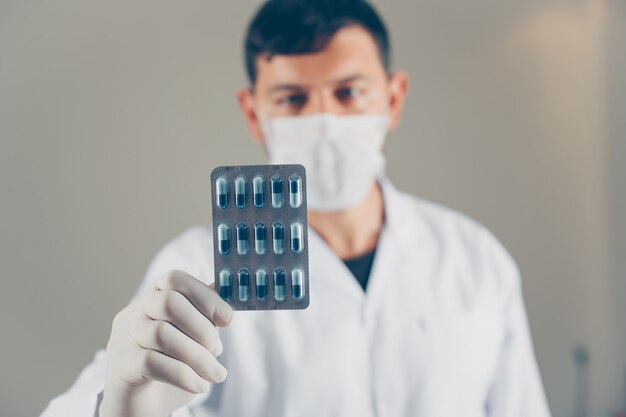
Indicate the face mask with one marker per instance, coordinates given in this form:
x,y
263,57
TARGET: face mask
x,y
342,154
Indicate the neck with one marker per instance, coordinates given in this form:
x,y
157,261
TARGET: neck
x,y
355,231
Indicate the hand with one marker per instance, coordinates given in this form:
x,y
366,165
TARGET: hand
x,y
163,348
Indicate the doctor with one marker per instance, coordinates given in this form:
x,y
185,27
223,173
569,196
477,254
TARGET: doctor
x,y
416,310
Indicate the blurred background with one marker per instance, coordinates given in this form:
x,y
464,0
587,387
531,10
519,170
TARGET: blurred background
x,y
112,115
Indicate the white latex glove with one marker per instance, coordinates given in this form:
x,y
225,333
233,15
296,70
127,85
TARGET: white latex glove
x,y
163,348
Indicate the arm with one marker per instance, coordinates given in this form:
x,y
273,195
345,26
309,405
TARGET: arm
x,y
189,252
516,388
81,398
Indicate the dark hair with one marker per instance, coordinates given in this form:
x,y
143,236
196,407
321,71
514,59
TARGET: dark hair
x,y
290,27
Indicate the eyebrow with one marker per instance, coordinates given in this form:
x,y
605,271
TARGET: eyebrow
x,y
355,77
298,87
286,87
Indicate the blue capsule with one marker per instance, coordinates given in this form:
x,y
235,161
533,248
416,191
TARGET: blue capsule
x,y
279,284
221,192
243,284
261,284
295,191
242,239
223,239
278,238
226,288
276,185
258,193
259,238
296,237
297,283
240,192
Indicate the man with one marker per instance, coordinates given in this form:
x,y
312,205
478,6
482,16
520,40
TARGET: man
x,y
415,309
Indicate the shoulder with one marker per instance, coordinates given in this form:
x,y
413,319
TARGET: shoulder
x,y
190,251
458,229
471,255
191,244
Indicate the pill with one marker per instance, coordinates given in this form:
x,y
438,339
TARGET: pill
x,y
226,288
259,238
257,191
276,185
279,284
223,239
242,239
297,283
261,284
295,191
244,284
221,191
240,192
296,237
278,238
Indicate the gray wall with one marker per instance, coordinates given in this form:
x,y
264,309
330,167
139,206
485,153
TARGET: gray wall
x,y
616,134
113,113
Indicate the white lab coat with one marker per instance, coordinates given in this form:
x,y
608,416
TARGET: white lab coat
x,y
441,331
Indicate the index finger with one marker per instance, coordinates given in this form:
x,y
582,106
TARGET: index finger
x,y
202,296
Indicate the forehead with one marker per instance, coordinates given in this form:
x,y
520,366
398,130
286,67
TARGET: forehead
x,y
351,51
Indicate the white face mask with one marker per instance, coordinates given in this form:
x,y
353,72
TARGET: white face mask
x,y
342,154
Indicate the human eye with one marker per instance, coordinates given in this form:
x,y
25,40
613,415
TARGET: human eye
x,y
294,100
348,93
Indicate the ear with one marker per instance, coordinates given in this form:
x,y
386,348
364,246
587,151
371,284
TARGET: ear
x,y
245,98
399,87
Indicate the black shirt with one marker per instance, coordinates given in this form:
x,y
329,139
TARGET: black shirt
x,y
361,267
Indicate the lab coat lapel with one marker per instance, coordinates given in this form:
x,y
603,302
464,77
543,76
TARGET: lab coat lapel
x,y
402,253
330,272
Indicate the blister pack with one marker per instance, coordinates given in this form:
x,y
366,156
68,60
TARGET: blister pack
x,y
260,237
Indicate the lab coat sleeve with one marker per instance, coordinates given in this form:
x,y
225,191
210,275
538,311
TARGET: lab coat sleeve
x,y
516,388
82,397
186,252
